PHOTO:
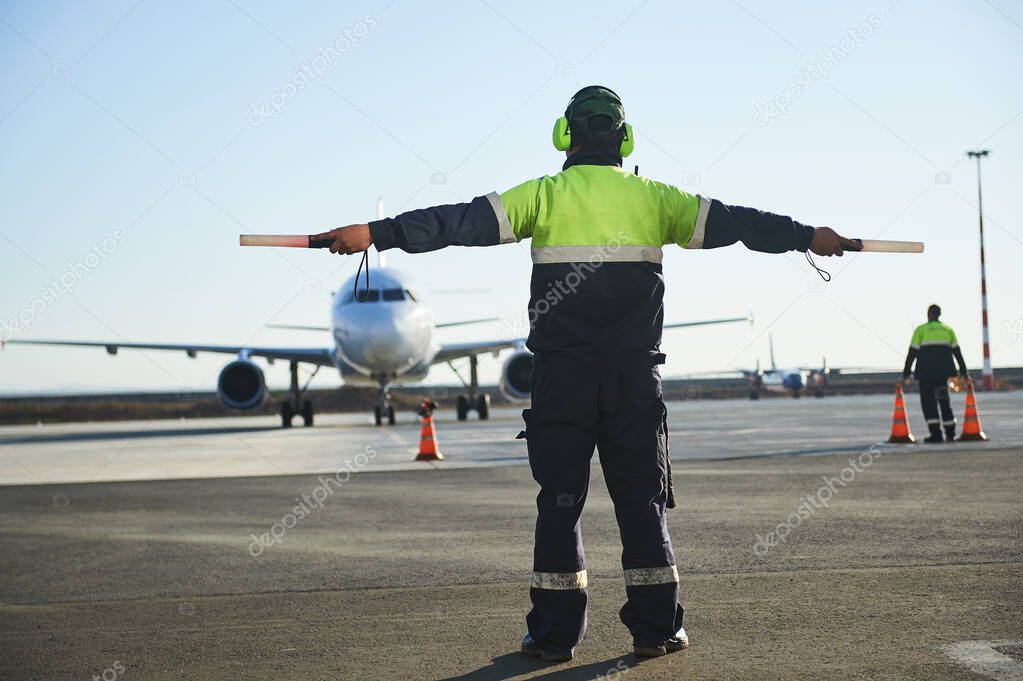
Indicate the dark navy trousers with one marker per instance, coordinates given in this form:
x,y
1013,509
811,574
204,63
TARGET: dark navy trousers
x,y
613,404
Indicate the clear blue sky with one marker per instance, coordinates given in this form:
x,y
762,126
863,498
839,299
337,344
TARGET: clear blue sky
x,y
133,122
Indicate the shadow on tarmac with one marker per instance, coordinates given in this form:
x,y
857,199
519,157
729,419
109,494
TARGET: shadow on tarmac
x,y
516,664
131,434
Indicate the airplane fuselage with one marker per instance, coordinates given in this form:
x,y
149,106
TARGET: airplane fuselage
x,y
384,335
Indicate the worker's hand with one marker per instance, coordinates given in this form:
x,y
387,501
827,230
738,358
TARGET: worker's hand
x,y
348,239
827,241
905,380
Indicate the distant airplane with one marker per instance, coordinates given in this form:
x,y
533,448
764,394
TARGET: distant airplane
x,y
788,381
382,338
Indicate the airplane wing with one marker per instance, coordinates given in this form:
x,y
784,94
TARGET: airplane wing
x,y
724,373
321,356
707,322
450,351
443,325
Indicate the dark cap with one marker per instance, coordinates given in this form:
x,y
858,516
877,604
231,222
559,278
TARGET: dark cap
x,y
592,101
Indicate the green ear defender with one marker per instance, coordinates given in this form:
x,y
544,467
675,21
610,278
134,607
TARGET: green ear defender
x,y
628,142
562,138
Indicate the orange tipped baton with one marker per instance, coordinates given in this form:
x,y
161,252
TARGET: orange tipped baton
x,y
900,427
428,448
972,431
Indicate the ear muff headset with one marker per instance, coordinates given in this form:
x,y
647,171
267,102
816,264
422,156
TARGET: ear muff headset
x,y
562,138
562,134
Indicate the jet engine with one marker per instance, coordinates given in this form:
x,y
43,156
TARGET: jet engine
x,y
516,375
241,385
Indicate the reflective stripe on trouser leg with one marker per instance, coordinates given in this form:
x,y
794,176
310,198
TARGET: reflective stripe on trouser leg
x,y
653,603
559,581
648,576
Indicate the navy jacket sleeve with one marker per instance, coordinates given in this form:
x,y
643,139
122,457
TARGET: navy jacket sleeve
x,y
910,358
428,229
958,354
757,229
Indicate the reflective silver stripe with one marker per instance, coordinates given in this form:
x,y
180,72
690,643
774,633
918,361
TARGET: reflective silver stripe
x,y
596,255
915,347
505,232
945,343
949,423
701,224
559,581
934,421
657,575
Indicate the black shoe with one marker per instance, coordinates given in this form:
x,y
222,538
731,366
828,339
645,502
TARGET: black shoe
x,y
935,437
532,649
674,644
950,433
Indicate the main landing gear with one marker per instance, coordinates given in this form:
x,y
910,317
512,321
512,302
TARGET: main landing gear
x,y
295,405
475,400
383,409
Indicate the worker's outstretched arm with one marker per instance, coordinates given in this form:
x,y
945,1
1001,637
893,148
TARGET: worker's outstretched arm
x,y
701,222
485,221
768,232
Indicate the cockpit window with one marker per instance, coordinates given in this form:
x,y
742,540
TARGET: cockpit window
x,y
390,295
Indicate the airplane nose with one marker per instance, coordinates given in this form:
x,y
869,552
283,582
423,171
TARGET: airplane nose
x,y
380,343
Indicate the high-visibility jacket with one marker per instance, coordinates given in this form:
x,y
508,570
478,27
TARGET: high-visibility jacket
x,y
933,347
597,235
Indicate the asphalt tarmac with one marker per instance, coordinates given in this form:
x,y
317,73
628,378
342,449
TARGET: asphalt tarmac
x,y
874,562
247,446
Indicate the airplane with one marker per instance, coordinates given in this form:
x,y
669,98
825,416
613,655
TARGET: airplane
x,y
787,381
383,337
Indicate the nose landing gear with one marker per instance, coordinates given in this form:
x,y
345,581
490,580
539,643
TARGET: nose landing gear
x,y
384,409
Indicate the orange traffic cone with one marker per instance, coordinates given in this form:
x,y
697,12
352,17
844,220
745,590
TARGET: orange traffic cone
x,y
428,449
971,422
900,427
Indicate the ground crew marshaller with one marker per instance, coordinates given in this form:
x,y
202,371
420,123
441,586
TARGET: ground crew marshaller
x,y
933,347
596,315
